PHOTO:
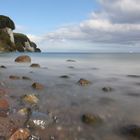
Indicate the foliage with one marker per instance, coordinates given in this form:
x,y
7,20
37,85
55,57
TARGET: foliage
x,y
21,38
33,45
6,22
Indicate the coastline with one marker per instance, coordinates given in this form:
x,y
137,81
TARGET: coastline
x,y
66,100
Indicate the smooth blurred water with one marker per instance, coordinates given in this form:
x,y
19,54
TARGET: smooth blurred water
x,y
67,100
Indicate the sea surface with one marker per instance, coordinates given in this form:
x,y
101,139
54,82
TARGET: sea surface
x,y
67,100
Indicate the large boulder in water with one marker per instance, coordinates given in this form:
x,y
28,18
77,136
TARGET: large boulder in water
x,y
23,59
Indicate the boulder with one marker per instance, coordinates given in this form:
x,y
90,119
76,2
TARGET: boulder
x,y
26,78
4,105
20,134
14,77
31,99
131,130
23,59
34,65
107,89
84,82
64,76
91,119
37,86
2,66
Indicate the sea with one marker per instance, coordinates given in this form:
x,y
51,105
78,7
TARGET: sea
x,y
68,100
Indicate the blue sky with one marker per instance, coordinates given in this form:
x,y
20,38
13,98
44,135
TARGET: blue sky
x,y
77,25
40,16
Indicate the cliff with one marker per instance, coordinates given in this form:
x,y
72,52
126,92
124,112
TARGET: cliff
x,y
10,41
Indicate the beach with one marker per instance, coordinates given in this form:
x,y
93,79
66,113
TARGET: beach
x,y
112,94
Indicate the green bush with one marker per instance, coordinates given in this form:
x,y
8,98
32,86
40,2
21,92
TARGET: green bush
x,y
21,38
6,22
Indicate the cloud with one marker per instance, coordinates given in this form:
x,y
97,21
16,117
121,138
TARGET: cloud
x,y
117,22
35,38
123,11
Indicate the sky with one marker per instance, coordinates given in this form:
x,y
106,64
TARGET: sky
x,y
77,25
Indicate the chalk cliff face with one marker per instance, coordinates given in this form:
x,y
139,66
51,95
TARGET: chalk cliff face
x,y
10,32
10,41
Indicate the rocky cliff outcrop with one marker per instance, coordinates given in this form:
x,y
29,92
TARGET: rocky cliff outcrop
x,y
10,41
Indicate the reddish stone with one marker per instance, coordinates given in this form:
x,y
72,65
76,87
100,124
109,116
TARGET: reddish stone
x,y
2,92
4,105
23,59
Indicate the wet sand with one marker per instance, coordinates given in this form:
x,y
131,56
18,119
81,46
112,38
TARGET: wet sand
x,y
67,101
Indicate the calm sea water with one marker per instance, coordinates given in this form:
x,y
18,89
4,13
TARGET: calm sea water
x,y
67,100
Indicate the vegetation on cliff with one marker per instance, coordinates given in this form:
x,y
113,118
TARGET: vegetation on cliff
x,y
6,22
21,42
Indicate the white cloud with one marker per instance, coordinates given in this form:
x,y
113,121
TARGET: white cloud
x,y
121,10
35,38
117,22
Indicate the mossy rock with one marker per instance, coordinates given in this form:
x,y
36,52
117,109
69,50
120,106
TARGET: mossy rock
x,y
83,82
131,130
6,22
91,119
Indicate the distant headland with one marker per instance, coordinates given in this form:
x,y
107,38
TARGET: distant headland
x,y
10,41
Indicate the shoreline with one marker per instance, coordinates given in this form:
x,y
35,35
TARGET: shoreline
x,y
63,101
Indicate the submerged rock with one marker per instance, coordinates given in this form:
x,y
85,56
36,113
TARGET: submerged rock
x,y
70,60
134,76
133,94
4,108
39,120
31,99
32,137
23,59
3,91
131,130
14,77
26,78
4,105
24,111
2,66
64,76
84,82
20,134
107,89
91,119
34,65
37,86
2,138
71,67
